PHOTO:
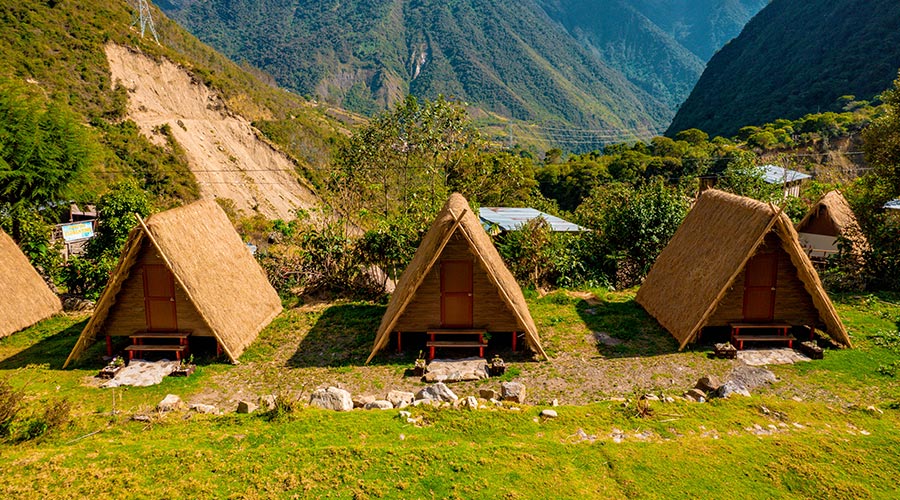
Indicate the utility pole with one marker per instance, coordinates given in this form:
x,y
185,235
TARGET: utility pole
x,y
145,19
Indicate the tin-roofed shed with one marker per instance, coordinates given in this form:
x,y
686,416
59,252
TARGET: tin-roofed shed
x,y
513,218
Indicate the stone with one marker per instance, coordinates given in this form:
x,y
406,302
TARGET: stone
x,y
405,414
398,398
362,401
650,397
549,414
695,395
472,402
202,408
268,401
141,418
730,388
246,407
437,392
751,377
512,391
488,394
140,373
554,403
331,399
708,383
457,370
170,403
380,404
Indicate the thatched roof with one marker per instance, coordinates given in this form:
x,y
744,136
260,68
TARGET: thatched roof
x,y
457,216
709,251
213,266
835,207
26,298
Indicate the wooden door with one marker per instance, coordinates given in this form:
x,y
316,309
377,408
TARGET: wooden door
x,y
456,294
760,279
159,298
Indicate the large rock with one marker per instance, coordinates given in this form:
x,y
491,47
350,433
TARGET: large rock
x,y
268,401
380,404
457,370
708,383
398,398
472,402
730,388
695,395
246,407
202,408
751,377
437,392
362,401
512,391
170,403
549,413
488,394
331,399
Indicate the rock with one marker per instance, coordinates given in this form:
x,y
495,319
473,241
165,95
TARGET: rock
x,y
362,401
488,394
512,391
650,397
437,392
77,304
751,377
695,395
405,414
708,383
246,407
141,418
549,414
268,401
398,398
669,399
202,408
554,403
331,399
472,402
380,404
873,409
457,370
731,387
170,403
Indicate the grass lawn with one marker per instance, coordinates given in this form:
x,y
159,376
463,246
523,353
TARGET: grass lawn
x,y
827,429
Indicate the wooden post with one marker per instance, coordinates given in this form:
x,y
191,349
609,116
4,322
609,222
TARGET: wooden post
x,y
108,345
399,348
515,336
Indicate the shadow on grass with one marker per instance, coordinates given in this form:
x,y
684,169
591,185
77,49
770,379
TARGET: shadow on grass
x,y
623,329
47,343
342,336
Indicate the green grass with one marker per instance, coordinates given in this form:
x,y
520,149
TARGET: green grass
x,y
827,444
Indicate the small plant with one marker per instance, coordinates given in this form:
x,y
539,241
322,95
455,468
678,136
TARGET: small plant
x,y
283,407
10,404
185,368
889,370
419,366
498,366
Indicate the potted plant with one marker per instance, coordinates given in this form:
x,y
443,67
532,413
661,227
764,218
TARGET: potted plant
x,y
419,367
812,349
498,366
185,368
112,368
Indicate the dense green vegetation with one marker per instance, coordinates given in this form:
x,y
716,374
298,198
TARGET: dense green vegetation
x,y
795,58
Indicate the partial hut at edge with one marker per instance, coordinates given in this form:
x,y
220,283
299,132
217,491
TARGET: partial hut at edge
x,y
830,220
26,298
185,269
457,246
735,259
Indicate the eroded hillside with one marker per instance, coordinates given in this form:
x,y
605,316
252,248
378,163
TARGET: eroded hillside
x,y
226,153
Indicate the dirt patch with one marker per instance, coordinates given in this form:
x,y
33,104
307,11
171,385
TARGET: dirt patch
x,y
226,154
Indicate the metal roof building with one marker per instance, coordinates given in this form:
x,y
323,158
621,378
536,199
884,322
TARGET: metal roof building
x,y
773,174
512,218
893,204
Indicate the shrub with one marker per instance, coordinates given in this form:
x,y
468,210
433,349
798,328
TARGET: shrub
x,y
10,405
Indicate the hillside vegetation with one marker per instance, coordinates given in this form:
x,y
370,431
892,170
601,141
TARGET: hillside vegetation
x,y
796,58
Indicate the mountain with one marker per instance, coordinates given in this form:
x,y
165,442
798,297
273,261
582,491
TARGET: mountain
x,y
659,45
795,58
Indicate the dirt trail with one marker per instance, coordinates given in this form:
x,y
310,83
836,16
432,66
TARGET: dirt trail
x,y
225,152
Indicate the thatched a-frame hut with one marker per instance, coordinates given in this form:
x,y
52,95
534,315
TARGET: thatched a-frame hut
x,y
829,219
26,298
735,260
185,269
485,294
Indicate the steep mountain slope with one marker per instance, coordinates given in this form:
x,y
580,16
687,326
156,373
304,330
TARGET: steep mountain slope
x,y
795,58
507,57
59,50
659,45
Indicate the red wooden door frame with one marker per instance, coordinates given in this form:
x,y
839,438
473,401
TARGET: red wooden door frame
x,y
159,298
760,280
463,293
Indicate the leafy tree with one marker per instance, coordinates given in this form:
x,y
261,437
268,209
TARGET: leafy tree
x,y
116,211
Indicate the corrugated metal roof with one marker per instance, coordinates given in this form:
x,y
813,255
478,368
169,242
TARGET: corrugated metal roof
x,y
773,174
512,218
893,204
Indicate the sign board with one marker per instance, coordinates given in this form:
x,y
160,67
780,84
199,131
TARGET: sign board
x,y
78,231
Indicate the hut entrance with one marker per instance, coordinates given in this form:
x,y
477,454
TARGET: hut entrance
x,y
159,298
456,294
761,276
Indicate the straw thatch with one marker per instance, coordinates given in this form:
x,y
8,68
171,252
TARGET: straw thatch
x,y
832,216
456,218
707,255
26,298
212,268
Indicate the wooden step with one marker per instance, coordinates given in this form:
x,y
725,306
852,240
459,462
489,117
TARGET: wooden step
x,y
156,347
764,338
451,343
